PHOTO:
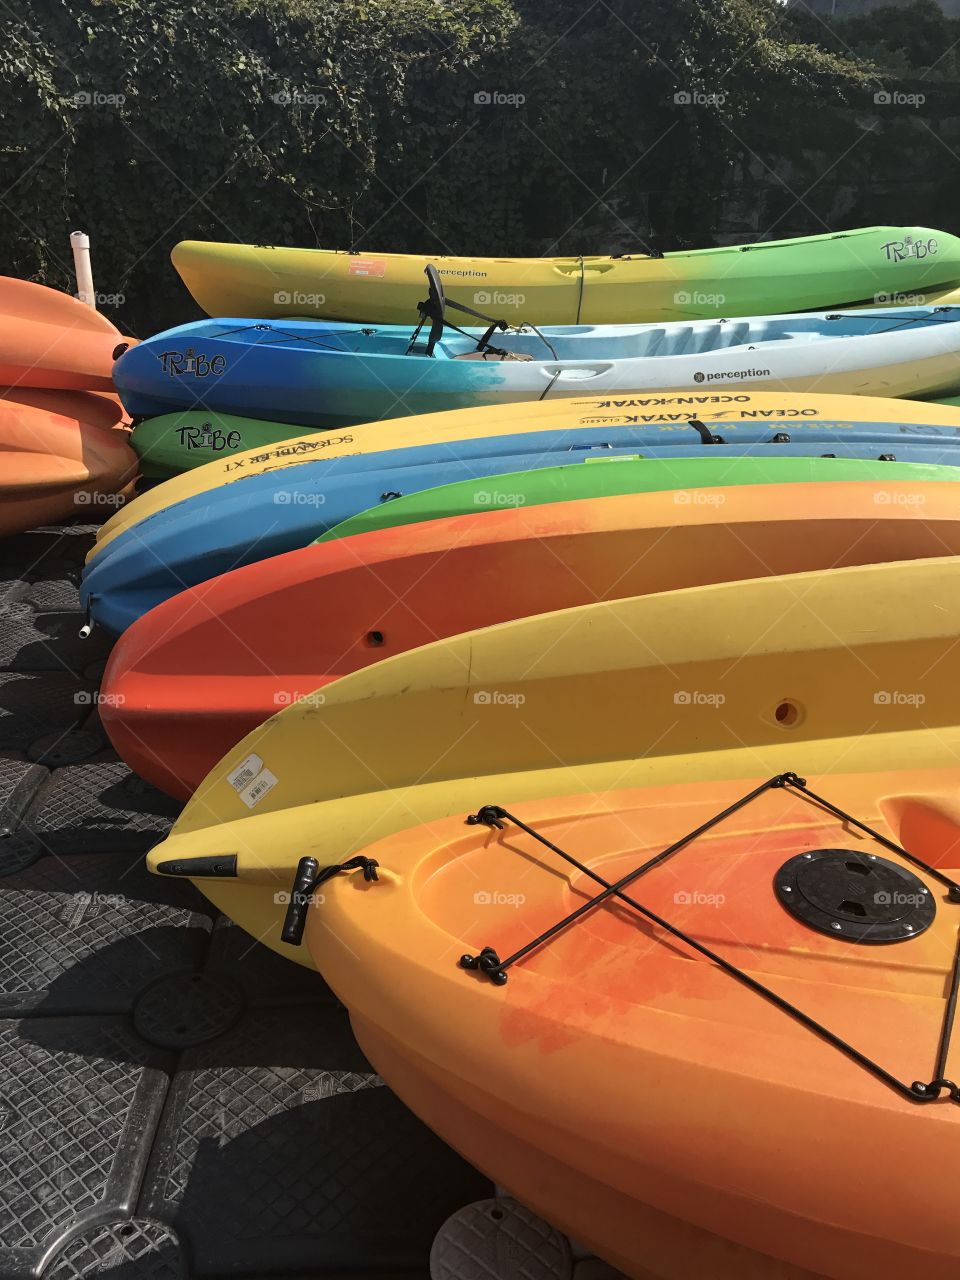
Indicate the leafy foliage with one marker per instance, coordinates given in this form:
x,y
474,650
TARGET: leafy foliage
x,y
483,126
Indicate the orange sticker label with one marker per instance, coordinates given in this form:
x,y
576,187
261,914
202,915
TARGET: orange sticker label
x,y
372,268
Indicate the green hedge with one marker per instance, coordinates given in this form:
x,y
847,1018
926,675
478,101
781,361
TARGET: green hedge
x,y
486,126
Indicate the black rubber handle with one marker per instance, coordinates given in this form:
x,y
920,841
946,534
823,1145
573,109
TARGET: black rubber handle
x,y
300,895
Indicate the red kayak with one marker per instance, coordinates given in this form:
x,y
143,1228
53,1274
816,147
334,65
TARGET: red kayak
x,y
193,676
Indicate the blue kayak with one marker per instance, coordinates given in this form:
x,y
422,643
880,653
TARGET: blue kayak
x,y
330,374
626,429
265,515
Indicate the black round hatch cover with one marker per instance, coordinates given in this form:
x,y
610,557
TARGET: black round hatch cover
x,y
856,896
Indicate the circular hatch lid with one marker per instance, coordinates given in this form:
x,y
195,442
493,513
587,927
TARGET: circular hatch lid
x,y
856,896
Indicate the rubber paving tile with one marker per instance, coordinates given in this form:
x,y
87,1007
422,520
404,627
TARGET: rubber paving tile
x,y
88,933
176,1101
126,1249
32,553
264,977
32,706
79,1098
25,645
12,589
99,803
34,641
279,1142
20,780
54,595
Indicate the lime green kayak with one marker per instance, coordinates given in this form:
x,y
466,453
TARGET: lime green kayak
x,y
881,265
600,478
176,442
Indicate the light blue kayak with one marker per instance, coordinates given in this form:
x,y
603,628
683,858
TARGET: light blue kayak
x,y
624,427
328,375
260,516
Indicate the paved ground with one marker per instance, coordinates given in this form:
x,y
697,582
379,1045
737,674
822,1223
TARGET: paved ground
x,y
175,1101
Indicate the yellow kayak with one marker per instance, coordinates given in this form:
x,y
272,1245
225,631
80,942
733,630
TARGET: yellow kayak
x,y
670,410
849,670
802,274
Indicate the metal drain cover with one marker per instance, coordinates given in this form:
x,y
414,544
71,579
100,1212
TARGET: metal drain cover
x,y
855,896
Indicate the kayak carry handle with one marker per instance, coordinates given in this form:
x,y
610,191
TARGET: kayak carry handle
x,y
580,371
295,916
309,876
704,432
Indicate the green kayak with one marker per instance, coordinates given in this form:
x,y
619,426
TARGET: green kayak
x,y
884,265
176,442
599,478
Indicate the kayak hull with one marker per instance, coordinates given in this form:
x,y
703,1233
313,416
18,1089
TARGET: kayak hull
x,y
641,1242
50,340
59,465
809,671
762,1131
605,477
273,512
98,408
807,273
195,675
673,410
175,442
334,375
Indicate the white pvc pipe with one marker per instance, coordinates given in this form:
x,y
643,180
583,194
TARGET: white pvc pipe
x,y
80,244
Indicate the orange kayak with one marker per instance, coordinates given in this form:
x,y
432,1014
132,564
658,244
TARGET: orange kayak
x,y
724,1003
48,339
59,463
190,678
98,408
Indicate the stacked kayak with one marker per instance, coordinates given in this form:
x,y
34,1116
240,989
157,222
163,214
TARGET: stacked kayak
x,y
98,408
199,672
703,937
330,375
48,339
612,476
63,439
178,442
60,457
686,420
577,694
173,442
652,1056
161,546
725,680
803,274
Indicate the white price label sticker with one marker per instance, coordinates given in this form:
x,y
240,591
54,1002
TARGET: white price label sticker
x,y
245,772
264,782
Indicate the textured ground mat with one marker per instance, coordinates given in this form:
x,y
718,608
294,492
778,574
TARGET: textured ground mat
x,y
176,1102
